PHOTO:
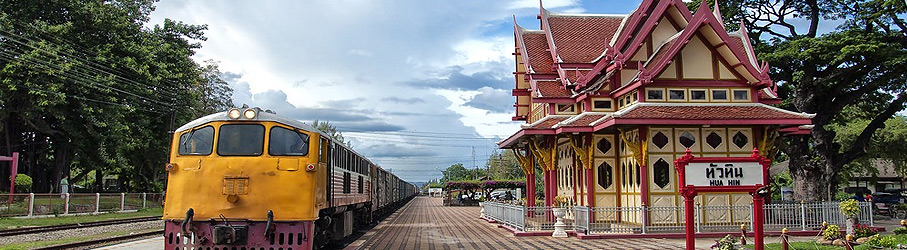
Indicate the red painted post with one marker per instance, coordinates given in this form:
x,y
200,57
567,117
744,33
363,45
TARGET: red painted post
x,y
14,168
758,214
689,217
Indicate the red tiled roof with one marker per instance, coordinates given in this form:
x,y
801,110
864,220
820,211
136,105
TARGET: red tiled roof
x,y
708,113
581,39
584,121
539,57
737,43
573,75
549,122
552,89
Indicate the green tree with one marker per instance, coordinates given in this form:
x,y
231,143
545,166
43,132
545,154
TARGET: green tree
x,y
455,172
857,68
888,145
503,166
84,86
331,130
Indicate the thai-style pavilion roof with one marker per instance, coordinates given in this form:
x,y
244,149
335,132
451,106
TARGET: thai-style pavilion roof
x,y
575,57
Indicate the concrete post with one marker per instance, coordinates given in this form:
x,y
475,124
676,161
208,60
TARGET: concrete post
x,y
66,203
97,202
122,202
31,204
803,215
144,199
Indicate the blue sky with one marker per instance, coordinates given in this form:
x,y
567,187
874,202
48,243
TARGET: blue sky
x,y
415,85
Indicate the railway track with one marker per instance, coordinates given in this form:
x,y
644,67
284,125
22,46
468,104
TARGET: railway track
x,y
97,242
32,230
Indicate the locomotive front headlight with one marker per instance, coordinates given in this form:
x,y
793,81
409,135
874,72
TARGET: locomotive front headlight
x,y
249,113
233,114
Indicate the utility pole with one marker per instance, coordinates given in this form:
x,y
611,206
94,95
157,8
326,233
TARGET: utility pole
x,y
474,166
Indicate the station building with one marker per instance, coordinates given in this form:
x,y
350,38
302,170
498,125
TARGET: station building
x,y
610,101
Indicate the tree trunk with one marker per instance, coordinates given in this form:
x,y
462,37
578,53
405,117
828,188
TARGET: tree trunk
x,y
806,171
61,162
98,180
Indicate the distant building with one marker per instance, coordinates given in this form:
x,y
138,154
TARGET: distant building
x,y
435,192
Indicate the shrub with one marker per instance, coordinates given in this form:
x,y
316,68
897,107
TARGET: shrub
x,y
900,230
832,232
850,208
882,241
23,183
861,231
726,243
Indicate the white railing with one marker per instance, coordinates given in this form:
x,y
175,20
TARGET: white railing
x,y
809,216
75,203
634,220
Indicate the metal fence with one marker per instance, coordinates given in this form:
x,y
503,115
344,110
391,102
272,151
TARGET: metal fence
x,y
635,220
809,216
75,203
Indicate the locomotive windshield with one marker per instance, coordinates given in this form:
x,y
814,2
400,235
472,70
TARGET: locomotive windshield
x,y
288,142
197,142
240,140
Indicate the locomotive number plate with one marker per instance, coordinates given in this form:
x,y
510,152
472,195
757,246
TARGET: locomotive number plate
x,y
236,185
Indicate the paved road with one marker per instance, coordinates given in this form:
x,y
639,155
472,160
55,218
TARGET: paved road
x,y
424,224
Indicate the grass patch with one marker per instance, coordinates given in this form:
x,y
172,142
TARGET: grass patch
x,y
35,244
8,223
900,239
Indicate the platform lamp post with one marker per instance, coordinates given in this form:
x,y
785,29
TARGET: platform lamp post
x,y
12,173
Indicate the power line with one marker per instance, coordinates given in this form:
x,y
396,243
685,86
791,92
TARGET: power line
x,y
85,55
84,62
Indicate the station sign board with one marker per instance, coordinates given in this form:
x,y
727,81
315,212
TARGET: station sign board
x,y
721,174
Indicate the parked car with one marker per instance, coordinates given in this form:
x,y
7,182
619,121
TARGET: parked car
x,y
886,202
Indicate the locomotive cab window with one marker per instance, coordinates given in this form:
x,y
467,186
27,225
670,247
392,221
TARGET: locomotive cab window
x,y
241,140
287,142
197,141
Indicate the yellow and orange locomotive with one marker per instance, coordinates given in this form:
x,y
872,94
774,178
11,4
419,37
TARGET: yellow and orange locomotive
x,y
250,179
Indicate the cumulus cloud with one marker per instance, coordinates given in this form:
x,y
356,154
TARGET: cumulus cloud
x,y
373,66
395,99
491,99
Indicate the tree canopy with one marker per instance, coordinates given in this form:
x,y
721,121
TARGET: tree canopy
x,y
87,86
852,72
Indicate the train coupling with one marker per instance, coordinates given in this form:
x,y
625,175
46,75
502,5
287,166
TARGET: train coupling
x,y
227,234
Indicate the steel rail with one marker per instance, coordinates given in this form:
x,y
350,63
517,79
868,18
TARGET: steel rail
x,y
95,242
32,230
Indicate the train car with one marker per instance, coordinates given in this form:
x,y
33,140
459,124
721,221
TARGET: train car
x,y
245,178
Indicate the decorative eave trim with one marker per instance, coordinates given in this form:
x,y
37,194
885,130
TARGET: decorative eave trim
x,y
533,124
742,104
577,117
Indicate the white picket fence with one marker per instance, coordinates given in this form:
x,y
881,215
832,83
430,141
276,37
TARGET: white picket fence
x,y
75,203
630,220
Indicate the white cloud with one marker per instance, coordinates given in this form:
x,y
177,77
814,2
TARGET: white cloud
x,y
373,66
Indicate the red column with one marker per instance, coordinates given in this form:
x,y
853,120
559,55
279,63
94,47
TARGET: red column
x,y
547,187
12,176
758,221
530,189
590,188
689,217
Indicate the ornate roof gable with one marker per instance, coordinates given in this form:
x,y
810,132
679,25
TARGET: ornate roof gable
x,y
731,49
632,34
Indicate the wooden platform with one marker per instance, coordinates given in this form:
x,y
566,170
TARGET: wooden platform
x,y
425,224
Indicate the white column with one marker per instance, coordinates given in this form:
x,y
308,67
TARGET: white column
x,y
122,202
97,202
